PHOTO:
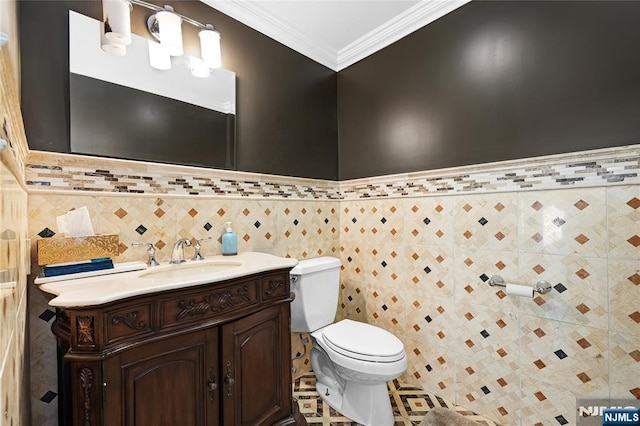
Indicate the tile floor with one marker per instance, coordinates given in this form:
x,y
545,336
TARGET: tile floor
x,y
410,404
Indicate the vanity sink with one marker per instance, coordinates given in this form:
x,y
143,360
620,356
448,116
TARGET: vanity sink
x,y
96,290
190,270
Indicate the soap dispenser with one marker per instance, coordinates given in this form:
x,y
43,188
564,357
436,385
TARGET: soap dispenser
x,y
229,241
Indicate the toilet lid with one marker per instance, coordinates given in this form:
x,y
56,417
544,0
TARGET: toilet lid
x,y
363,341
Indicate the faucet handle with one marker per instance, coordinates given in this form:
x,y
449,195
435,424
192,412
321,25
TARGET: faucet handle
x,y
197,247
151,251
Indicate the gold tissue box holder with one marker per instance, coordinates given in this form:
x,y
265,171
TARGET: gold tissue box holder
x,y
74,249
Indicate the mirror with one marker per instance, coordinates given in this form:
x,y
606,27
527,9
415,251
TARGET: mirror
x,y
121,107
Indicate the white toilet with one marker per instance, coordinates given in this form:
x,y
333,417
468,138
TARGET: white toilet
x,y
352,361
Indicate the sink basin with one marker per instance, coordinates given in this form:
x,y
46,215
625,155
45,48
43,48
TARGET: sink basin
x,y
190,270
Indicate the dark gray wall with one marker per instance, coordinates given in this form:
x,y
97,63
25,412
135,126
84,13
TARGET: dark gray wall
x,y
490,81
494,81
286,103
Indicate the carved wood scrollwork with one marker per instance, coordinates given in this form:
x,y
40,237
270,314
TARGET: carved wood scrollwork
x,y
130,320
273,286
85,330
86,381
215,302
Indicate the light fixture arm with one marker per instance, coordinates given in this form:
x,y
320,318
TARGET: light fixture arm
x,y
184,18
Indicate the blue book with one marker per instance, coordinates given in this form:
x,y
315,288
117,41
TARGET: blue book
x,y
74,268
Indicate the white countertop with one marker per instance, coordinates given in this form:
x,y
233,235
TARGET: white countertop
x,y
107,288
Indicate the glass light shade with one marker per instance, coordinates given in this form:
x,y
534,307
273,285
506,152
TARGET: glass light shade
x,y
117,21
210,48
108,46
158,58
114,49
169,28
199,68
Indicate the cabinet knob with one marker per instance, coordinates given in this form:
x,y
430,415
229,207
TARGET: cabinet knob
x,y
229,380
211,384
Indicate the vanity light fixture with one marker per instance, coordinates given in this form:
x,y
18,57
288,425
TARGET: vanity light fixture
x,y
166,26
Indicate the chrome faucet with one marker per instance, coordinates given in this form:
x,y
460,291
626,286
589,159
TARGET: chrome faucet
x,y
197,247
151,251
177,256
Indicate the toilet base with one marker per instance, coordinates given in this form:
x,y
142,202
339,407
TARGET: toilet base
x,y
365,404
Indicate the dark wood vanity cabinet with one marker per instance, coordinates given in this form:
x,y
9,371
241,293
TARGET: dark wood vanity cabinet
x,y
215,354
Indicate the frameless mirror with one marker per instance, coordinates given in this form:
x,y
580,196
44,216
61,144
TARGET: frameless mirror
x,y
121,107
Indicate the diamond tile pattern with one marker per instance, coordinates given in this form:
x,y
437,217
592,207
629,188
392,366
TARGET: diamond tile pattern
x,y
623,210
515,360
560,226
571,254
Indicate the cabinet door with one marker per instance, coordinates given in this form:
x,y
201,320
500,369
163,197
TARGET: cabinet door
x,y
168,382
256,368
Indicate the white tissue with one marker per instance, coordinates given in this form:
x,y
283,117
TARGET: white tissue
x,y
75,223
519,290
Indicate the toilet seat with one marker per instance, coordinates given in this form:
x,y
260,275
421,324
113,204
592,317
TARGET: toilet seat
x,y
363,341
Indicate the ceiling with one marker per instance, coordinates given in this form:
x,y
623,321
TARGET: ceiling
x,y
336,33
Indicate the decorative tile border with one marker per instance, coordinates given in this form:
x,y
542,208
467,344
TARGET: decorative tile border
x,y
609,166
67,172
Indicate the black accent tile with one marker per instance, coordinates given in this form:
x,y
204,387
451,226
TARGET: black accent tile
x,y
141,229
559,287
257,224
326,221
383,220
427,221
48,397
428,318
349,259
558,221
428,367
484,278
46,233
483,221
560,354
427,269
561,420
384,307
350,299
485,390
298,354
295,222
384,264
208,226
47,315
354,220
485,333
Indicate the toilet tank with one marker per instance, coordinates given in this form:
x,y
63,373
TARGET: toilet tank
x,y
316,283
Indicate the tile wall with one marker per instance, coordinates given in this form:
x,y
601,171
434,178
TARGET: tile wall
x,y
417,252
296,223
419,264
13,297
419,267
14,248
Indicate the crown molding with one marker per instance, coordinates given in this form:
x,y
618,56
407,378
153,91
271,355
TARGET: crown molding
x,y
393,30
260,19
251,13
